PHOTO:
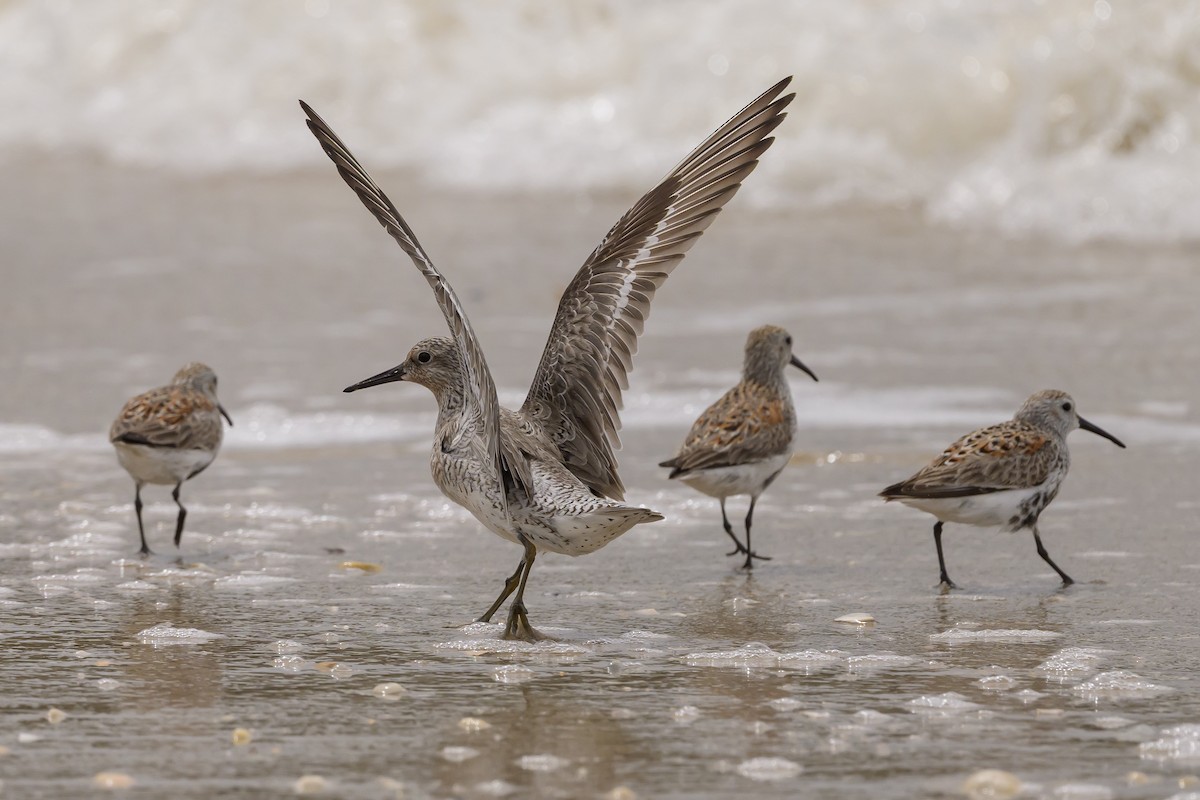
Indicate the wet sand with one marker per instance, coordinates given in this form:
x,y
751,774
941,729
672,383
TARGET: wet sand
x,y
675,673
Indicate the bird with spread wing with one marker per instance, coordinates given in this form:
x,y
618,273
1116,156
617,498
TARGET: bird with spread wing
x,y
545,476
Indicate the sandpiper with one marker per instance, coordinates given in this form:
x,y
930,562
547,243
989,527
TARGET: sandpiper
x,y
170,434
1004,475
741,443
545,476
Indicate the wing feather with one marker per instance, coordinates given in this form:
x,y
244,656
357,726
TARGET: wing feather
x,y
590,350
169,417
744,425
1011,455
481,400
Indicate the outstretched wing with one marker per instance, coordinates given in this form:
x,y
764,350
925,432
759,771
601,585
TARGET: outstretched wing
x,y
1011,455
480,392
576,392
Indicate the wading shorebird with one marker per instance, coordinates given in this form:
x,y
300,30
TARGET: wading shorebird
x,y
169,435
741,443
1004,475
545,476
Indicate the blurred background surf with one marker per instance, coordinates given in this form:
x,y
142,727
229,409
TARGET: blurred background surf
x,y
1072,119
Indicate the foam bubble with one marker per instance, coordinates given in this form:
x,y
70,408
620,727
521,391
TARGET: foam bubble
x,y
1011,636
1180,743
947,703
878,661
542,763
1119,685
1072,663
769,769
456,755
755,655
251,581
513,673
165,634
1082,791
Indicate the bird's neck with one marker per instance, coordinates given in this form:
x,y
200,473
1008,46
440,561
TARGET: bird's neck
x,y
450,400
766,377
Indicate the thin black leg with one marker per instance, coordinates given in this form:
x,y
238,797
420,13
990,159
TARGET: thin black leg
x,y
937,539
750,554
1066,579
517,626
182,514
137,506
510,586
729,529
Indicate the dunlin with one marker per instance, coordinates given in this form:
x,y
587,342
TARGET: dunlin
x,y
741,443
1004,475
170,434
545,476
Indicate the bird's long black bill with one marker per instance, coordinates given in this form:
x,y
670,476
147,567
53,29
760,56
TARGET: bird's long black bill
x,y
393,374
798,364
224,414
1087,426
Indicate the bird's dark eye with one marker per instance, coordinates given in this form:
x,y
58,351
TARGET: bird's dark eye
x,y
1066,406
789,341
424,357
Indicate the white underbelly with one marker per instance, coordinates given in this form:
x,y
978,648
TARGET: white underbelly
x,y
1003,509
564,517
163,465
741,479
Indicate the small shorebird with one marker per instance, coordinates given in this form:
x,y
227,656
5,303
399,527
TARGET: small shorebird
x,y
545,476
1004,475
741,443
170,434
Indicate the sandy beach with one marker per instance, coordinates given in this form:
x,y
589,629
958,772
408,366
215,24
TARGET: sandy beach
x,y
674,673
968,203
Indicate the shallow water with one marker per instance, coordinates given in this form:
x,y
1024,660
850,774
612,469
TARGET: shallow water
x,y
673,673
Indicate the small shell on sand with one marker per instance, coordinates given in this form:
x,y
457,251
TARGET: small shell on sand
x,y
240,736
365,566
991,784
621,793
310,784
858,618
55,716
112,780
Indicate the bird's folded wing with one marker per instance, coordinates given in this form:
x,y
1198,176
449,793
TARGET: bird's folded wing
x,y
742,427
576,391
1005,456
481,401
165,417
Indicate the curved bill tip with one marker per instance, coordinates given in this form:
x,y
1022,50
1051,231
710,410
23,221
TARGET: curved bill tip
x,y
798,364
224,414
1090,428
388,376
